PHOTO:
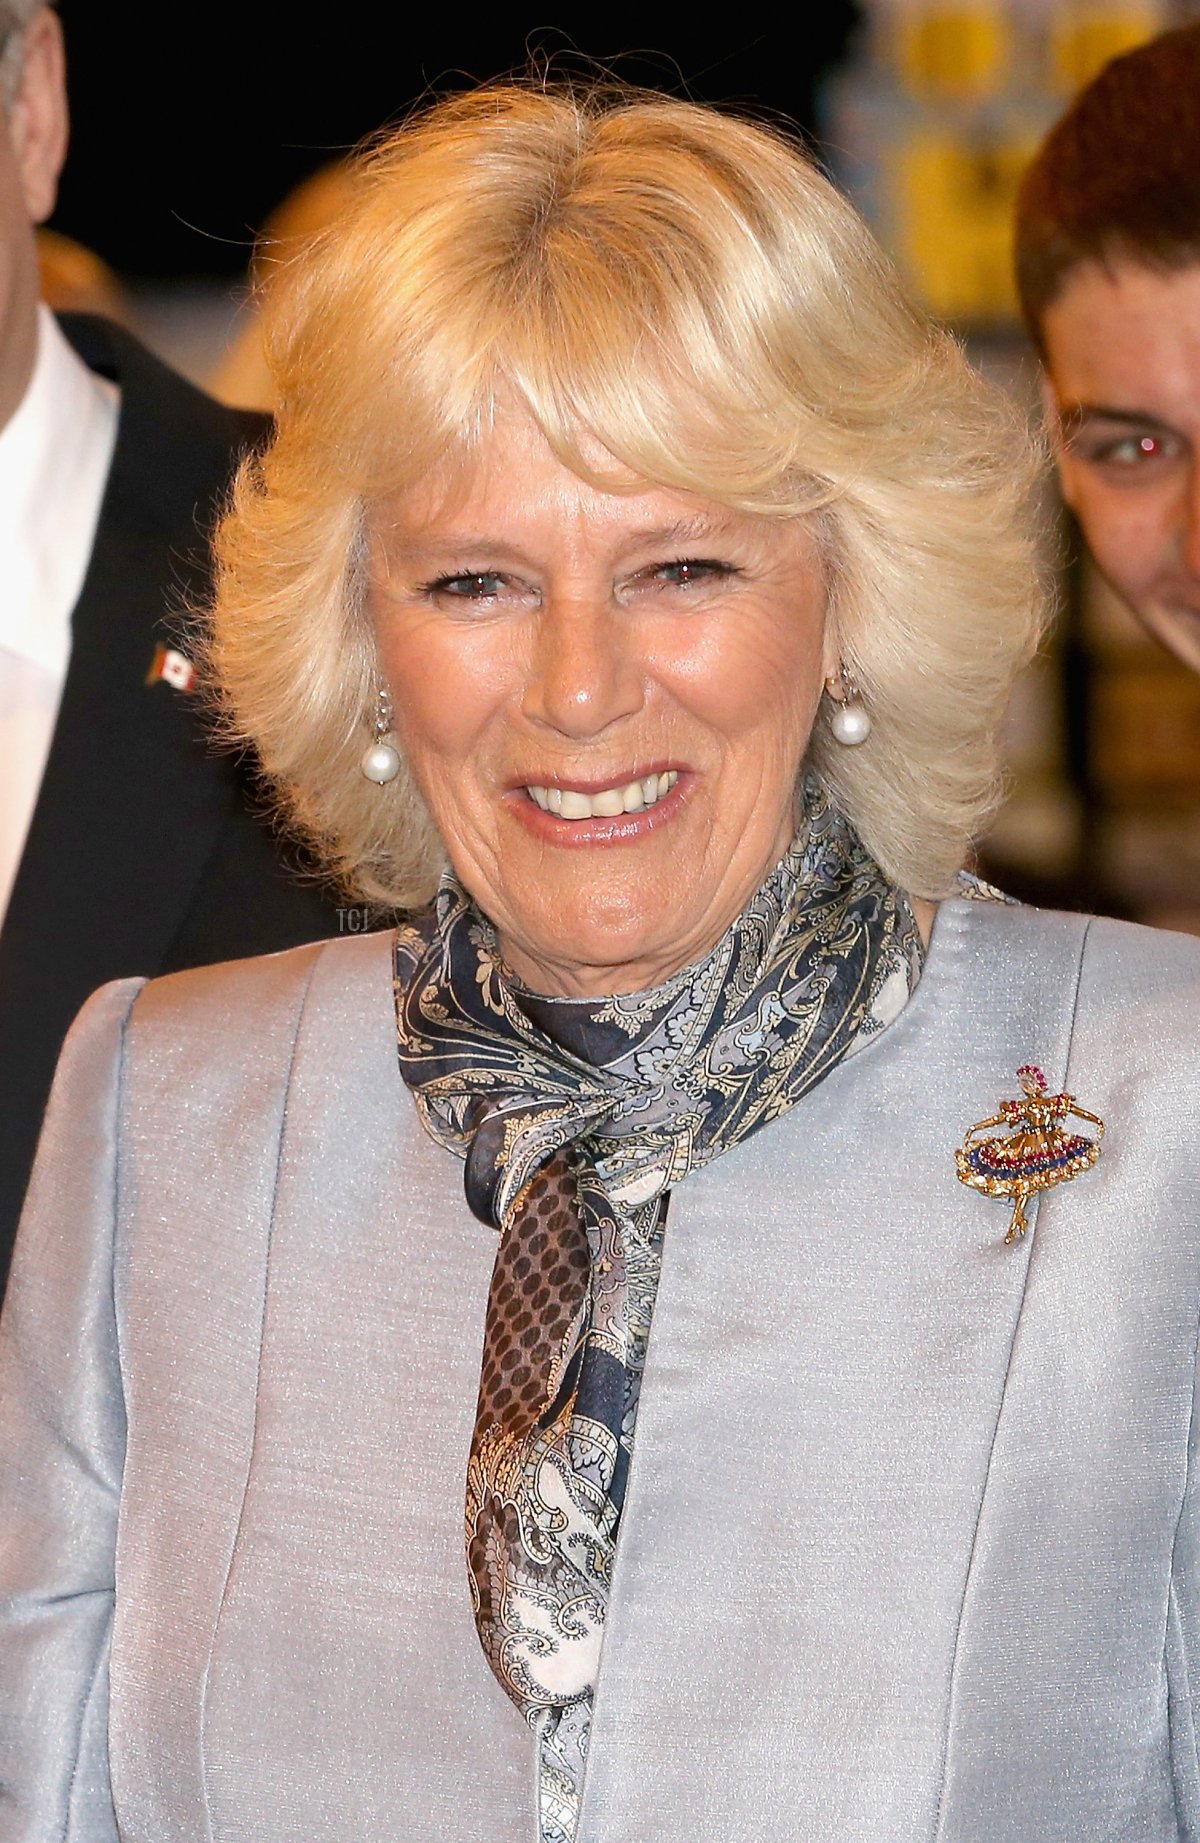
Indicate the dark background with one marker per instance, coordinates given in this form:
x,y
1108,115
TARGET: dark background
x,y
190,124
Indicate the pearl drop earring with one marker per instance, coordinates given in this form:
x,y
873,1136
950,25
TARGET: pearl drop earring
x,y
381,759
851,720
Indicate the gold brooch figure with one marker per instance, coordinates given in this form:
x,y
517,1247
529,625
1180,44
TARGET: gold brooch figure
x,y
1037,1154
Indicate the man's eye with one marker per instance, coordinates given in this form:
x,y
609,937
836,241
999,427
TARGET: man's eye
x,y
1130,451
1134,448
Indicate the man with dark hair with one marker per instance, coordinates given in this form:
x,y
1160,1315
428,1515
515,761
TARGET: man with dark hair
x,y
1108,268
126,844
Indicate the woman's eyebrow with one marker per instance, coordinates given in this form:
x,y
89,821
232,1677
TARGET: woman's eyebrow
x,y
417,545
684,530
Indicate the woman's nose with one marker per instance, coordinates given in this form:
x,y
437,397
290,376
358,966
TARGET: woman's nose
x,y
584,673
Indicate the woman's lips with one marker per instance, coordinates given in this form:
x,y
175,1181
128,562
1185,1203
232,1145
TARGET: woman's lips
x,y
566,815
609,802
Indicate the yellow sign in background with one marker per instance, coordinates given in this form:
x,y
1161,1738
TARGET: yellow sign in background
x,y
954,200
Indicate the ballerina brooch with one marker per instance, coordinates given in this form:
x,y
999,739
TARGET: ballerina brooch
x,y
1035,1154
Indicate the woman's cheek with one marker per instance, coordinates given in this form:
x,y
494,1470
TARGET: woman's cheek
x,y
446,687
753,674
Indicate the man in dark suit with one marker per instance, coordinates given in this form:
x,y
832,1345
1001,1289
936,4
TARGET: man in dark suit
x,y
127,843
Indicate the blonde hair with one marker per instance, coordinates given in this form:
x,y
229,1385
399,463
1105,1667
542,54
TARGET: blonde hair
x,y
685,288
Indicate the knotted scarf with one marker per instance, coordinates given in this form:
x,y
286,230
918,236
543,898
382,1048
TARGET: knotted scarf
x,y
576,1118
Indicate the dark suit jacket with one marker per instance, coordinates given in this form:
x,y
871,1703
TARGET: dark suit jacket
x,y
144,854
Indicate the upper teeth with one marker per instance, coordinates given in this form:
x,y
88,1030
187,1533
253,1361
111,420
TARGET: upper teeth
x,y
606,805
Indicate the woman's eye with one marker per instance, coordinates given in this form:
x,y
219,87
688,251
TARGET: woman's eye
x,y
472,586
690,572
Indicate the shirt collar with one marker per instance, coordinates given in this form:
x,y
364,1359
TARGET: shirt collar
x,y
55,452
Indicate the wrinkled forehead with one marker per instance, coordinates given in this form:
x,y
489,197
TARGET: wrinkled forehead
x,y
506,468
514,489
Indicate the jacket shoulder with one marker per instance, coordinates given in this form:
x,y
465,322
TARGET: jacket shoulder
x,y
1135,1003
243,1019
1127,952
1150,955
1138,1009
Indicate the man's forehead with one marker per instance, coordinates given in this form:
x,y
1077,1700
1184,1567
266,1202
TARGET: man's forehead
x,y
1127,337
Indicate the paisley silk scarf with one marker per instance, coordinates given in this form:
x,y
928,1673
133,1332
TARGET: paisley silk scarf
x,y
575,1119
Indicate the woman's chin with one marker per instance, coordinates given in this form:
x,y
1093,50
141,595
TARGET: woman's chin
x,y
580,922
583,949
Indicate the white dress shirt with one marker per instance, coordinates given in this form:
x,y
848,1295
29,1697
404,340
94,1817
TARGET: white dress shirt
x,y
55,453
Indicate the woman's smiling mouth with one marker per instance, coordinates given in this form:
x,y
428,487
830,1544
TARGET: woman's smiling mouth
x,y
609,803
618,812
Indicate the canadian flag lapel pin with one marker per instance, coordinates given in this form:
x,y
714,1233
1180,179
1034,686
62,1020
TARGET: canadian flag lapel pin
x,y
173,666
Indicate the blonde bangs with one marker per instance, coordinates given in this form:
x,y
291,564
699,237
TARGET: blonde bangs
x,y
408,330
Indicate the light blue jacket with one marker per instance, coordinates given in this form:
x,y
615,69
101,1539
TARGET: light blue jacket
x,y
910,1550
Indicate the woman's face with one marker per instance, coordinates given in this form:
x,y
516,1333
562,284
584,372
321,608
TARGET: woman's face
x,y
604,699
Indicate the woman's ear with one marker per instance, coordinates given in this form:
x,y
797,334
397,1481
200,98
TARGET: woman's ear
x,y
37,117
